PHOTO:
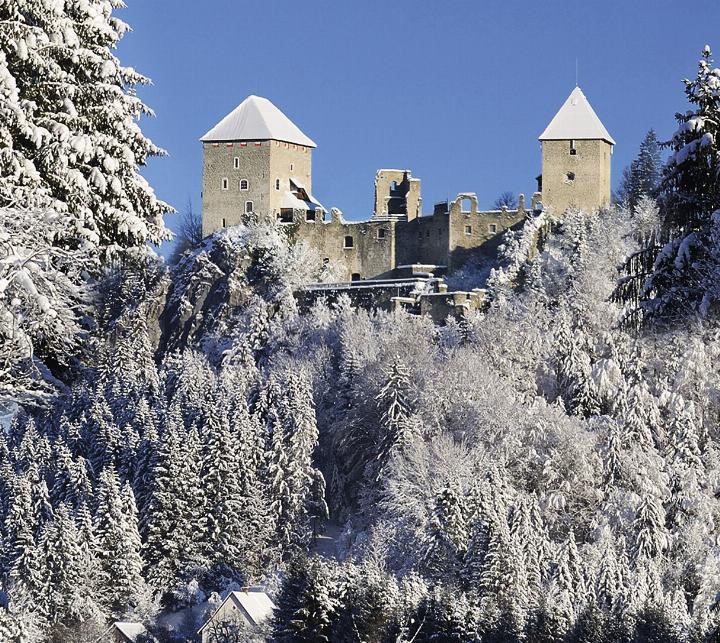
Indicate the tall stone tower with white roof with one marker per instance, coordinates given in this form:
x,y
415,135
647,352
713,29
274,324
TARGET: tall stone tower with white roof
x,y
256,160
576,158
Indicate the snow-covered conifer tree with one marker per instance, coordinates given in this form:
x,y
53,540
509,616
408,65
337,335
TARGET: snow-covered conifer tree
x,y
685,276
117,545
69,123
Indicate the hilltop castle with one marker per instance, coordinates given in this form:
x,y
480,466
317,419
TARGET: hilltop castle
x,y
257,160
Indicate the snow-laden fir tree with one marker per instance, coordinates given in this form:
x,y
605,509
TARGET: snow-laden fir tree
x,y
642,176
117,546
685,279
69,130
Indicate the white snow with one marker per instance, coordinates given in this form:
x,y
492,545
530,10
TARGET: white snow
x,y
576,119
256,119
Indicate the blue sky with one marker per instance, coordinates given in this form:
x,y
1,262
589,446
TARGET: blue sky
x,y
456,91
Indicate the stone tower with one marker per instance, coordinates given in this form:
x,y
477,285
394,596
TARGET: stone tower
x,y
256,160
576,156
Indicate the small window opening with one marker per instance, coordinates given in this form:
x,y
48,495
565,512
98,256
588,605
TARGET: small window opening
x,y
492,227
223,223
277,184
349,242
224,184
427,234
310,216
286,215
292,166
381,233
573,151
236,162
244,185
570,177
249,206
468,230
355,276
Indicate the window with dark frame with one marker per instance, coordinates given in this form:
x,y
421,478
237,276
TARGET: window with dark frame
x,y
349,242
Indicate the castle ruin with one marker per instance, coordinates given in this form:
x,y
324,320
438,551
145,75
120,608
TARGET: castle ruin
x,y
255,160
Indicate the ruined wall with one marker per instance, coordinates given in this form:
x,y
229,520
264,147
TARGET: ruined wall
x,y
373,250
408,189
260,163
472,230
590,165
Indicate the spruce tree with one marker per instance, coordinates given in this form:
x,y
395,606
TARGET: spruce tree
x,y
685,276
642,176
69,124
117,545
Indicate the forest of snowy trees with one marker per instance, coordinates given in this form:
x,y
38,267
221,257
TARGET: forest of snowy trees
x,y
547,470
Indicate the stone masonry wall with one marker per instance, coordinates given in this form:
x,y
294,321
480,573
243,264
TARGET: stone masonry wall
x,y
222,208
371,254
260,163
591,166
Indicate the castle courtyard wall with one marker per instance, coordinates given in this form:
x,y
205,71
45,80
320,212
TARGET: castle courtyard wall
x,y
371,255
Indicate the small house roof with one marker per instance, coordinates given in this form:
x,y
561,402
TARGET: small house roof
x,y
130,631
254,604
576,119
257,119
257,605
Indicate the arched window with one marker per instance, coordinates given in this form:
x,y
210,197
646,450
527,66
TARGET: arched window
x,y
244,185
249,207
349,242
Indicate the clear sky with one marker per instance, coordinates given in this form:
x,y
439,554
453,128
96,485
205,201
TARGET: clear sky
x,y
457,91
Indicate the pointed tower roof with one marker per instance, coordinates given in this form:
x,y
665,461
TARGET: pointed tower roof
x,y
576,120
257,119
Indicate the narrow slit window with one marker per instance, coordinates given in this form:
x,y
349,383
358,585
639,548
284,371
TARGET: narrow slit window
x,y
224,183
236,162
223,223
277,184
573,151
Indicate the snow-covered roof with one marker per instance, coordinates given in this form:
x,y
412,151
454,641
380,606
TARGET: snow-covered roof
x,y
576,119
256,605
130,631
257,119
290,200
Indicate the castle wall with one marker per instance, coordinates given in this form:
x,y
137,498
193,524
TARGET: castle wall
x,y
287,161
591,165
222,208
472,230
371,255
260,163
409,186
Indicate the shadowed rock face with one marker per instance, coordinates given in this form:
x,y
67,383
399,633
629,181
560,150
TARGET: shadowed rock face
x,y
209,288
